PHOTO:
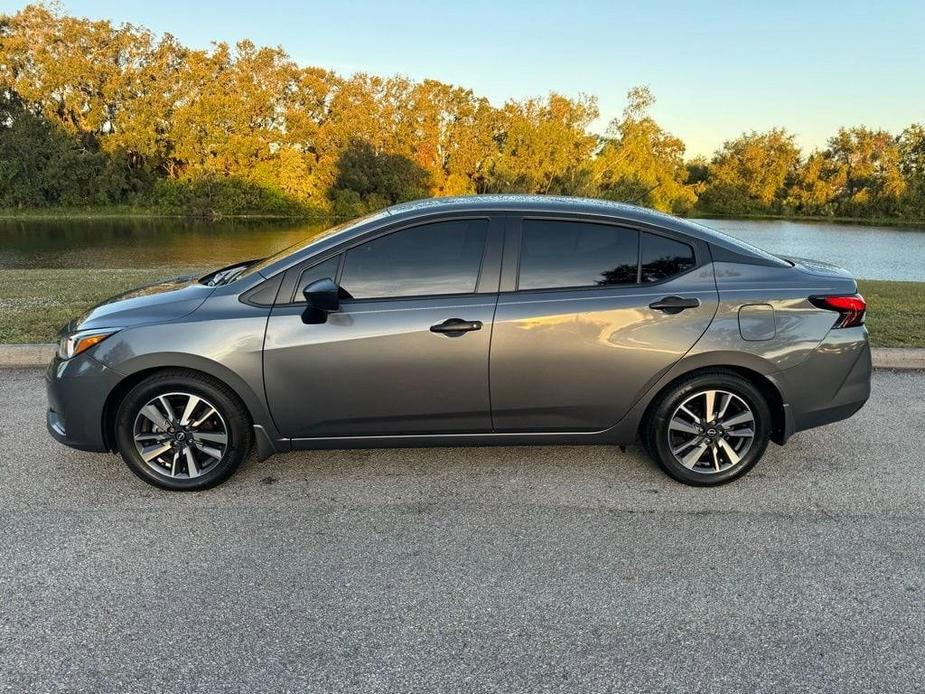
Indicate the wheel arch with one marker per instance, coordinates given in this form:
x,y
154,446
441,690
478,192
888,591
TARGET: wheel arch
x,y
253,403
753,373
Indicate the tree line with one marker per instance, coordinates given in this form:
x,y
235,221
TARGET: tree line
x,y
96,114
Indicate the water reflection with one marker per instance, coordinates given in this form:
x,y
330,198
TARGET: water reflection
x,y
870,252
144,243
867,251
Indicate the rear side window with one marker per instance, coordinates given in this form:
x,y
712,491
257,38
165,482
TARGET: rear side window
x,y
576,254
663,258
438,258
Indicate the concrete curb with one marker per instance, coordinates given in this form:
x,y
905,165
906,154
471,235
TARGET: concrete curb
x,y
31,356
898,358
25,356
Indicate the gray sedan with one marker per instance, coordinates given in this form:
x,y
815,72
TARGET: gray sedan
x,y
470,321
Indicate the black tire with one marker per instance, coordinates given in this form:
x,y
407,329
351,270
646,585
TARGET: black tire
x,y
231,411
655,432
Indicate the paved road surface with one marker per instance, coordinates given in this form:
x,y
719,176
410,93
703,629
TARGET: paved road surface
x,y
532,569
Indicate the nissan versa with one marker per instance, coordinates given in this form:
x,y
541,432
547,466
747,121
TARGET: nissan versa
x,y
480,320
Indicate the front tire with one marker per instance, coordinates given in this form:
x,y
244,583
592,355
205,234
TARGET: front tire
x,y
183,431
708,429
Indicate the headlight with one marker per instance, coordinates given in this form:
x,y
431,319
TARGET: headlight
x,y
72,345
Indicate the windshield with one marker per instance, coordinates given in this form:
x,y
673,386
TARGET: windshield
x,y
259,265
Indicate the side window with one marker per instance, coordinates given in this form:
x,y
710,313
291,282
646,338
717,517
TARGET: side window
x,y
326,268
439,258
663,257
576,254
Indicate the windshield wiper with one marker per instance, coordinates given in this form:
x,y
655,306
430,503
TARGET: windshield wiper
x,y
227,274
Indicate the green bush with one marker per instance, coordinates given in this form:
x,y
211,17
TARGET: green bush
x,y
213,197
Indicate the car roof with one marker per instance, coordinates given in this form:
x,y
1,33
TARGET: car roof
x,y
539,204
528,203
535,204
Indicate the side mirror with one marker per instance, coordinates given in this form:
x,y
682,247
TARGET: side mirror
x,y
322,297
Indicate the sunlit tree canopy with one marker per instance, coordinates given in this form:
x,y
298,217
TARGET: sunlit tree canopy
x,y
93,113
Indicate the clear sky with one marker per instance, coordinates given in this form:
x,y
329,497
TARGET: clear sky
x,y
716,68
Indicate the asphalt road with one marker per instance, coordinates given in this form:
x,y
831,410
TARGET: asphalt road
x,y
506,569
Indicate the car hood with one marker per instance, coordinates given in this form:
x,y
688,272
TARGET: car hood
x,y
151,303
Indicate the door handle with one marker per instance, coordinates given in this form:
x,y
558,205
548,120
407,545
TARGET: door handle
x,y
456,326
674,304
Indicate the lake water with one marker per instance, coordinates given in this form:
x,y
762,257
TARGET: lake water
x,y
869,252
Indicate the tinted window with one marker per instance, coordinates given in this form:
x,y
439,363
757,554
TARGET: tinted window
x,y
576,254
662,257
326,268
441,258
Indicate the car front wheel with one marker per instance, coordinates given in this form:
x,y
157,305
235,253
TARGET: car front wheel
x,y
182,431
709,429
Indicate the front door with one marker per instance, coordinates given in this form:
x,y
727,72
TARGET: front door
x,y
406,353
578,334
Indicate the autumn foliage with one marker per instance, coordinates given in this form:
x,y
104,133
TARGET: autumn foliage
x,y
95,114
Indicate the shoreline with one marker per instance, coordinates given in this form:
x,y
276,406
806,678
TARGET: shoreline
x,y
815,219
89,214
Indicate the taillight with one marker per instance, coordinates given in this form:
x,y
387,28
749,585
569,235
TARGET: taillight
x,y
850,308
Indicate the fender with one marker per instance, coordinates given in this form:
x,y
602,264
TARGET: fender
x,y
255,402
625,430
253,399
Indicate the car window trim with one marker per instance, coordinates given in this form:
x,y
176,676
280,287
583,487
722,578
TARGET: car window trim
x,y
603,288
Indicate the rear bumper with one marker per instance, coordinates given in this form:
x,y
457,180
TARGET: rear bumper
x,y
830,385
77,390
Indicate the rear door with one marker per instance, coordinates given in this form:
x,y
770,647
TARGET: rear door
x,y
407,353
590,314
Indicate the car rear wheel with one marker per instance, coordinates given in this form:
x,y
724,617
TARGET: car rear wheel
x,y
709,429
182,431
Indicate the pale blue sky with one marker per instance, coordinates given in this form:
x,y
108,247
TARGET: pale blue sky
x,y
716,68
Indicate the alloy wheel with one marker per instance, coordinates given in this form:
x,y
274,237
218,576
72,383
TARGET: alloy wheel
x,y
180,435
711,431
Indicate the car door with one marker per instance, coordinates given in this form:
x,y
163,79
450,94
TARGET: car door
x,y
590,314
407,351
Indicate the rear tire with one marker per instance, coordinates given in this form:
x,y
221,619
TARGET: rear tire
x,y
183,431
708,429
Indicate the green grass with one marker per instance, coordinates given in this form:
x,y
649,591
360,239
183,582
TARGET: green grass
x,y
91,212
895,312
35,303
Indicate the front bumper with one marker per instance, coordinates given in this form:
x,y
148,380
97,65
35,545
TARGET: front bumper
x,y
77,390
